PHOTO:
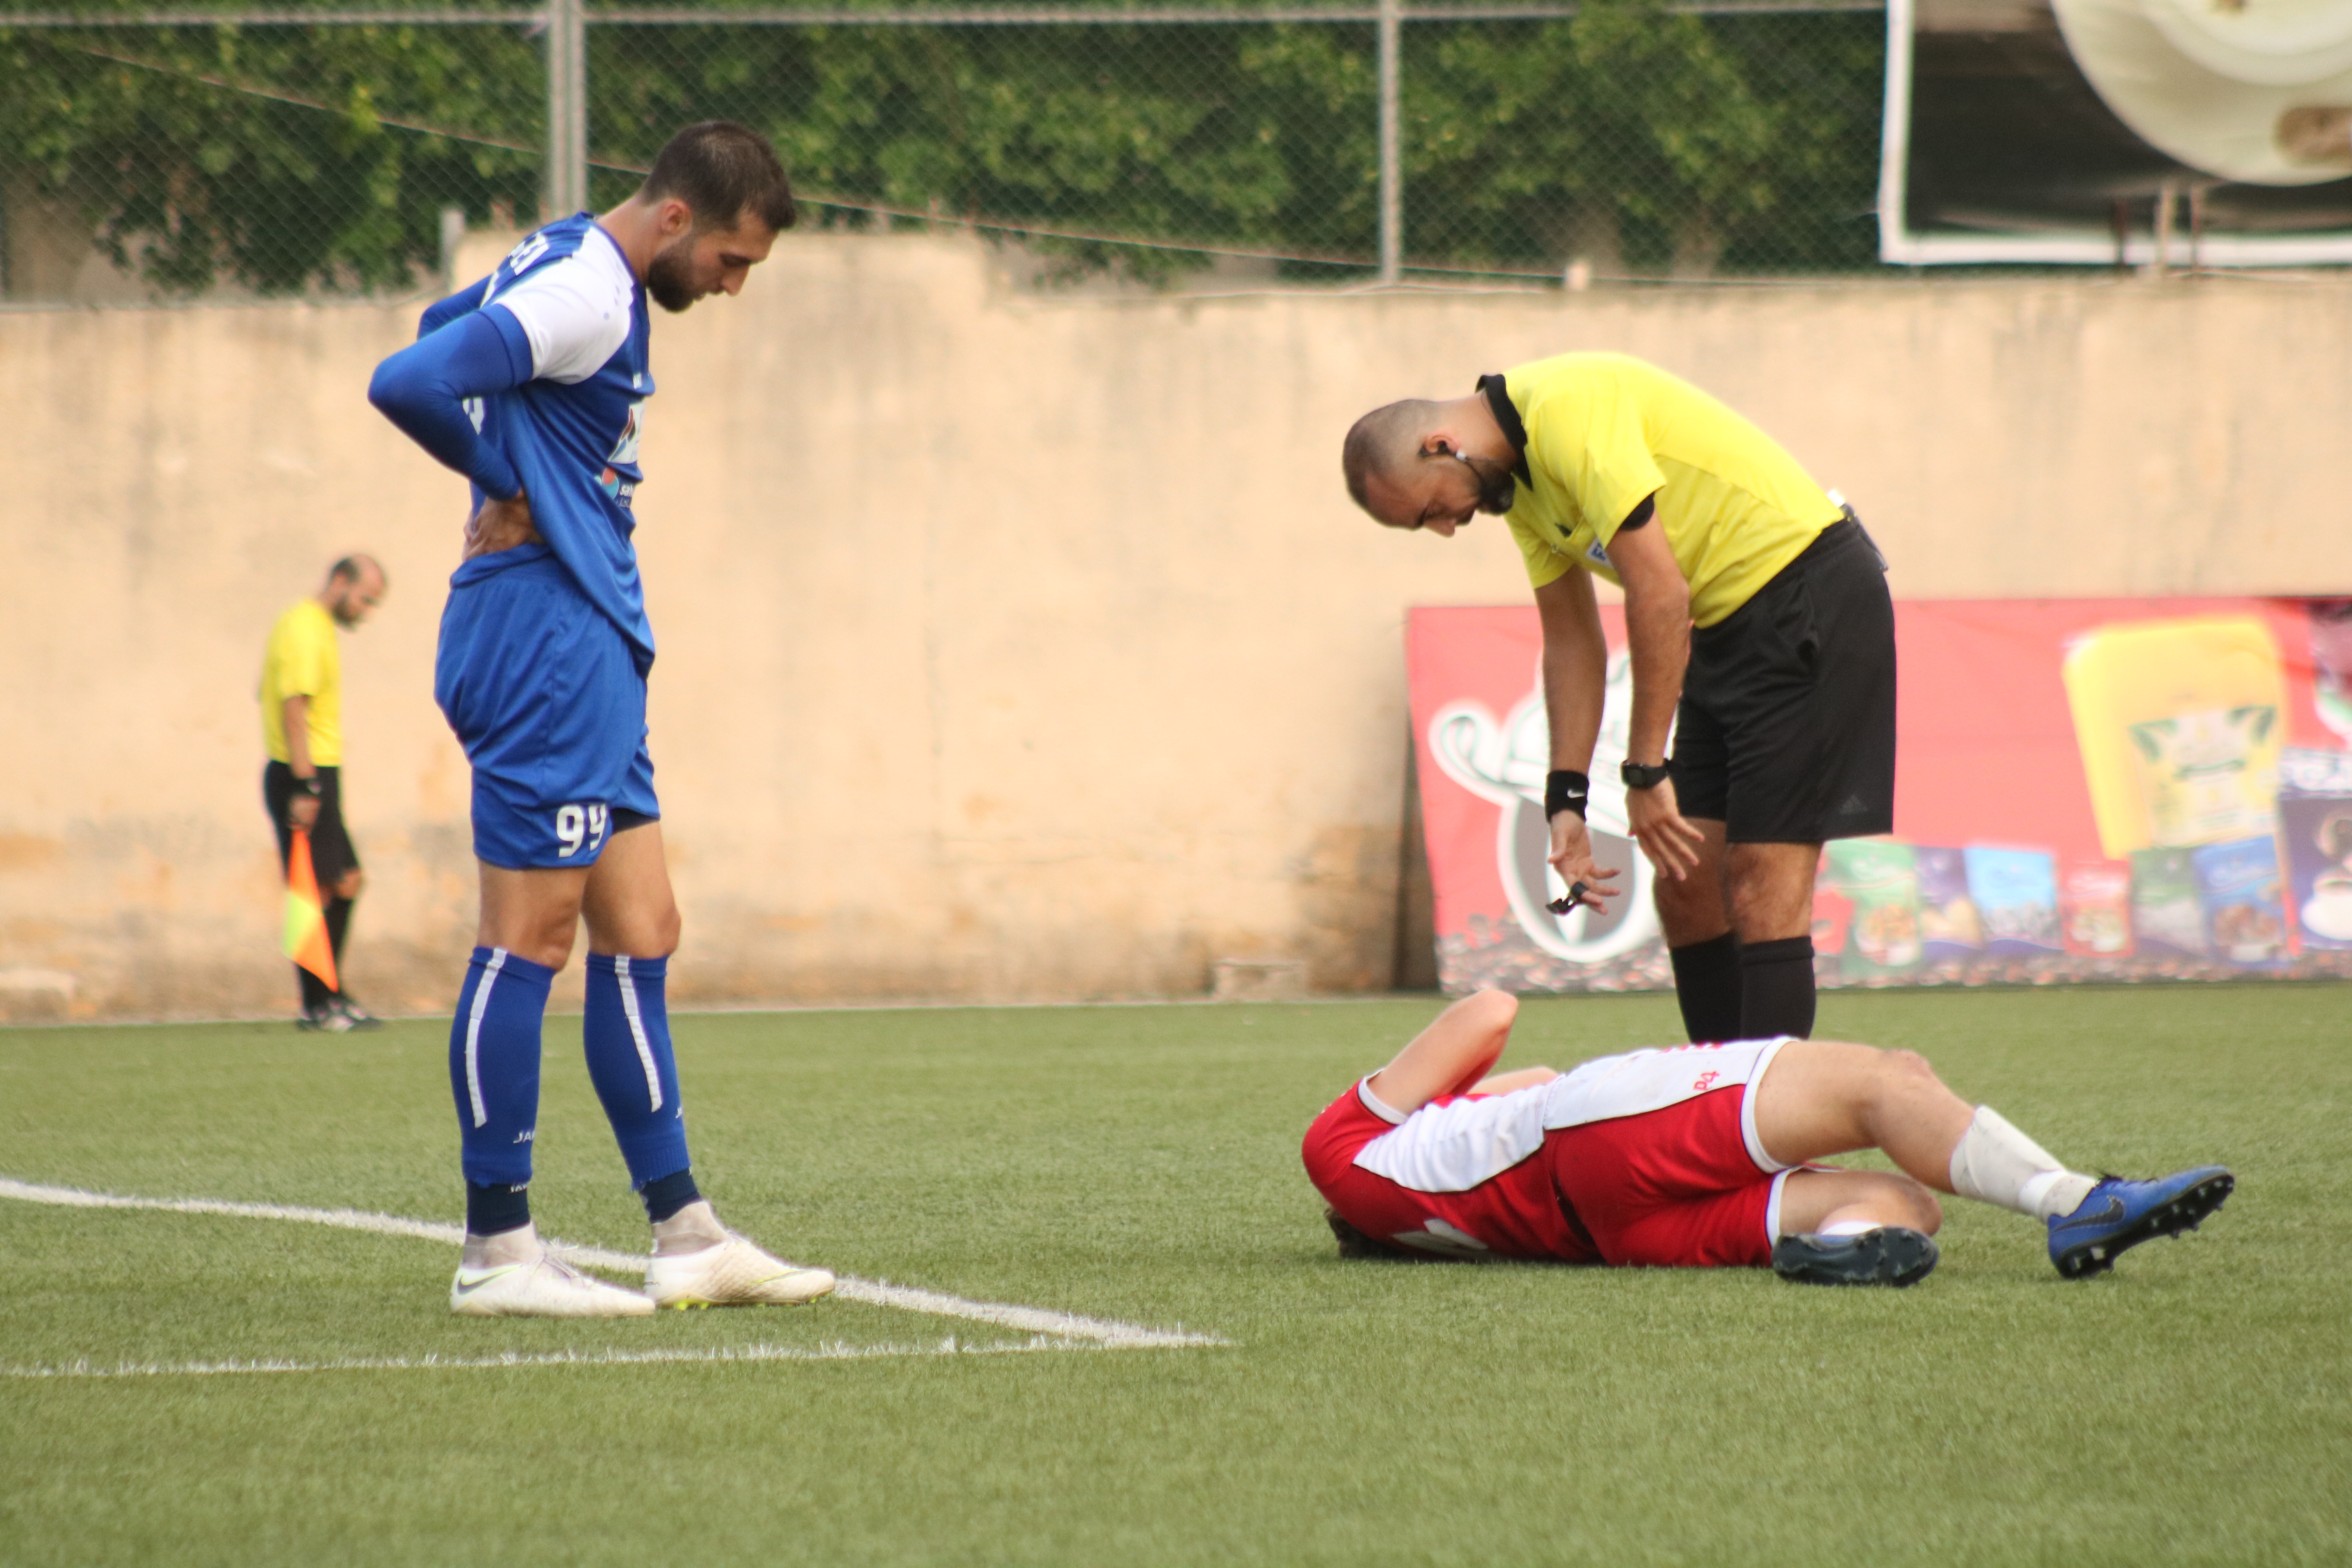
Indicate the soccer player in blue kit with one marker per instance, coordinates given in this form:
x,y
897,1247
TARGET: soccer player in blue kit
x,y
532,384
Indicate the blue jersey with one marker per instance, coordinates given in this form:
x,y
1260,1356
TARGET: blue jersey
x,y
570,431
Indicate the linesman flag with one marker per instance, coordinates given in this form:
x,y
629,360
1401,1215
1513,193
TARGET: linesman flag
x,y
305,940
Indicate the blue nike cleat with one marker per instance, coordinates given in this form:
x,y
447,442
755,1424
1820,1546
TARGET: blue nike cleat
x,y
2120,1214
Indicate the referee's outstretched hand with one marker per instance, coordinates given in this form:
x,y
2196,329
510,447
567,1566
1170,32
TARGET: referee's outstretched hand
x,y
1665,834
1571,857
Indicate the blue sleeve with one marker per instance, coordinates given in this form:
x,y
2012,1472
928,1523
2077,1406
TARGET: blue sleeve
x,y
424,387
441,313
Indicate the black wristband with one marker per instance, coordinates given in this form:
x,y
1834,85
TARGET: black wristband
x,y
310,786
1564,789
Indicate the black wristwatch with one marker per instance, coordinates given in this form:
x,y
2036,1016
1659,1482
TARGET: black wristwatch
x,y
311,786
1641,775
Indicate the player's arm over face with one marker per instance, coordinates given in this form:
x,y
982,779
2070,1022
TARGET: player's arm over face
x,y
1454,1055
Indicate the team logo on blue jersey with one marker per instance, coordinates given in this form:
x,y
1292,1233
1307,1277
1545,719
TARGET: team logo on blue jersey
x,y
624,450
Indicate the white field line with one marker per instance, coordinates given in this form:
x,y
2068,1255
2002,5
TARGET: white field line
x,y
1108,1334
552,1358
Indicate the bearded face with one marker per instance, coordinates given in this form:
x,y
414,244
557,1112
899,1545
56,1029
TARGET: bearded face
x,y
1498,487
669,278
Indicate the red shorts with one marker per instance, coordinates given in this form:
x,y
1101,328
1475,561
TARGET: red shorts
x,y
1671,1188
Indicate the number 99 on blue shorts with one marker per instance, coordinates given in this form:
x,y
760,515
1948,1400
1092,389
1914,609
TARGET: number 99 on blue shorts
x,y
545,697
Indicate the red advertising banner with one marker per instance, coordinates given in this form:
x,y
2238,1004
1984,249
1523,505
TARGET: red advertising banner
x,y
2086,789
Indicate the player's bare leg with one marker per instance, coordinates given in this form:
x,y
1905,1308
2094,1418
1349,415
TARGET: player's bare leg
x,y
532,914
1822,1098
633,928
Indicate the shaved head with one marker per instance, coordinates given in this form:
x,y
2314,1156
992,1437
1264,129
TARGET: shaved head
x,y
1384,442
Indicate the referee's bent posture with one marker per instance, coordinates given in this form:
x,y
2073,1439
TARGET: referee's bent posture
x,y
1753,600
302,726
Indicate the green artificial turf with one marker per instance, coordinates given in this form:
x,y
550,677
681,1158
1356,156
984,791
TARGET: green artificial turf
x,y
1142,1163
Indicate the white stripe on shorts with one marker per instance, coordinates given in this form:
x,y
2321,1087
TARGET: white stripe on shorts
x,y
474,1035
637,1029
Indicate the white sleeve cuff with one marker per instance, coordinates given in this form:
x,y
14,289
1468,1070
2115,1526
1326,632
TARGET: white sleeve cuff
x,y
1375,1104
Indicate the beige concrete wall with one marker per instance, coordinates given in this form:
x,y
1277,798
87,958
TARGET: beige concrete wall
x,y
1013,646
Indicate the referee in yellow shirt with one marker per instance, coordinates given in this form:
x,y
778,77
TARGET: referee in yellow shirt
x,y
302,725
1759,629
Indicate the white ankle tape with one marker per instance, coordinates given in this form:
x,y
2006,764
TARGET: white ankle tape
x,y
1995,1163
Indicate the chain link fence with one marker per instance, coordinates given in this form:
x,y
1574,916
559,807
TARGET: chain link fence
x,y
332,151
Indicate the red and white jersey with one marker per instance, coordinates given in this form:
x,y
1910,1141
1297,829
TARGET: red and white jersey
x,y
1475,1176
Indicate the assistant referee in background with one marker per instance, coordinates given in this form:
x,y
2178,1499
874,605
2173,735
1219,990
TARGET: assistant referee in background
x,y
1758,625
302,725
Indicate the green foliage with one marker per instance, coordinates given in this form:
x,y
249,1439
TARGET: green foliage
x,y
1641,140
192,181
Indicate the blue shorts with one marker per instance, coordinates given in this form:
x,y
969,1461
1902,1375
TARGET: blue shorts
x,y
545,696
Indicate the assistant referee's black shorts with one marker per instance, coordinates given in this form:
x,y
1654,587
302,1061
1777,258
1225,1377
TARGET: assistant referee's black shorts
x,y
331,854
1786,732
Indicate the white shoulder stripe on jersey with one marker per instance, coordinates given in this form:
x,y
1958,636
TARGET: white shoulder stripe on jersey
x,y
1453,1147
575,311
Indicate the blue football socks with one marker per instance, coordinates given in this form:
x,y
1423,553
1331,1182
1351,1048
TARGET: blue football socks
x,y
627,1034
494,1065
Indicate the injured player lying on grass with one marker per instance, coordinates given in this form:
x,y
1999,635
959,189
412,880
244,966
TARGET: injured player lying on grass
x,y
1700,1156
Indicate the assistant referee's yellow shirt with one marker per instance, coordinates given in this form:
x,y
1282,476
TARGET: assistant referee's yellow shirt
x,y
1604,431
303,661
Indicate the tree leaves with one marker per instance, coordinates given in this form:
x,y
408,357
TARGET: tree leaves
x,y
1639,138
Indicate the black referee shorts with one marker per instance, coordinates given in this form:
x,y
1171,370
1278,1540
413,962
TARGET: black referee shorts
x,y
1786,732
331,854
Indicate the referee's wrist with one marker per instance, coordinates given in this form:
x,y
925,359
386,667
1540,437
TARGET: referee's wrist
x,y
1565,789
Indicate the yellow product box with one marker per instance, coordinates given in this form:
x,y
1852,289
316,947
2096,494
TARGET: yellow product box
x,y
2181,724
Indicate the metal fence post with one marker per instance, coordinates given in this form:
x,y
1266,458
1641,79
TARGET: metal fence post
x,y
566,179
1391,28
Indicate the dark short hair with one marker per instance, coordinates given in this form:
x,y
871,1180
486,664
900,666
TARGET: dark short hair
x,y
1380,441
352,568
723,173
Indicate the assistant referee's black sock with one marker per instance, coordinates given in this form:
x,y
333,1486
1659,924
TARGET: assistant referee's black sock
x,y
1707,983
338,914
1776,988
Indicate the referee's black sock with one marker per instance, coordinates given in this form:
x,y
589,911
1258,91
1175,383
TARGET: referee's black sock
x,y
1707,983
1776,988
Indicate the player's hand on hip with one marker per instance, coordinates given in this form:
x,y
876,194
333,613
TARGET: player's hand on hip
x,y
1571,857
500,525
1665,834
303,811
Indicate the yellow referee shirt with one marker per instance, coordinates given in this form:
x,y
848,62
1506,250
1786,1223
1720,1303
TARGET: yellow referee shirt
x,y
1600,432
303,661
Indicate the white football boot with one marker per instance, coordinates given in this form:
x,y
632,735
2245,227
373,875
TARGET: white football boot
x,y
510,1275
698,1262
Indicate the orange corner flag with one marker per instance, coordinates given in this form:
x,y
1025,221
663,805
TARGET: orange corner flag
x,y
305,940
